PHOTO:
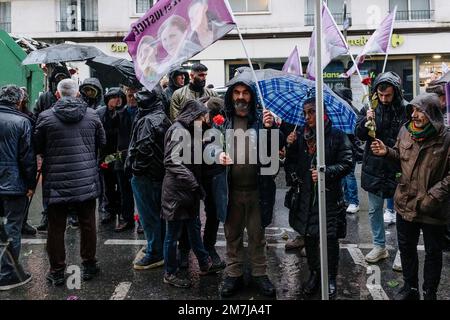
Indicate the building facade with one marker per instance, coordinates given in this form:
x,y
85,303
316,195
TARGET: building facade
x,y
271,28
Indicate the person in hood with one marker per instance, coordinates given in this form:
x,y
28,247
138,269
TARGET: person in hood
x,y
182,192
145,160
48,99
301,163
114,100
68,136
92,92
17,178
177,80
378,176
251,194
194,90
422,197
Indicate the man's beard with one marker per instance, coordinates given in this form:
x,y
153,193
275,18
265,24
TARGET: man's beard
x,y
199,84
241,106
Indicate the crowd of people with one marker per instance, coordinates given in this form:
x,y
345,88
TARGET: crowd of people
x,y
118,147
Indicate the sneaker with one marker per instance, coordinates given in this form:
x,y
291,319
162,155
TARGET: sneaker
x,y
407,293
377,254
231,285
210,268
28,229
73,222
124,226
176,281
11,283
89,271
56,278
141,254
265,286
296,243
397,266
140,229
352,208
389,216
106,217
148,263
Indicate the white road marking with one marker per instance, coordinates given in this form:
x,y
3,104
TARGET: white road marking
x,y
121,291
34,241
125,242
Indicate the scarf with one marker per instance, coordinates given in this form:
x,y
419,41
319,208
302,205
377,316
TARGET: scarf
x,y
310,135
420,134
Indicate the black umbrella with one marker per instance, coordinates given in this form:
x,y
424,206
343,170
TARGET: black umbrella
x,y
115,70
62,53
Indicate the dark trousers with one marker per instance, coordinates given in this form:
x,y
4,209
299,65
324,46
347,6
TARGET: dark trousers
x,y
212,223
173,233
126,196
313,255
110,193
57,216
408,234
13,209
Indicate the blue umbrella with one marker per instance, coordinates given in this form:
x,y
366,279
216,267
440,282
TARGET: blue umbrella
x,y
285,93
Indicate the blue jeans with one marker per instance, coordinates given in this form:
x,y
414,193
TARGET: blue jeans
x,y
173,233
13,208
350,188
390,203
147,194
376,219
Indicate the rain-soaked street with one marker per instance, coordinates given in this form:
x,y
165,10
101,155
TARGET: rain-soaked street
x,y
117,279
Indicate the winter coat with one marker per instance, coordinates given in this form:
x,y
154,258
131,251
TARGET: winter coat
x,y
423,192
266,183
378,174
146,150
98,101
17,160
304,215
184,94
48,99
68,136
181,189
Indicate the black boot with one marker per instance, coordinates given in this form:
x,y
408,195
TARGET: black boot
x,y
265,286
429,295
215,257
44,223
231,285
311,286
408,293
28,229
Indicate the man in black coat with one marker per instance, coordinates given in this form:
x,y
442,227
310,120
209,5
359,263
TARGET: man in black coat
x,y
378,176
17,179
145,161
68,136
301,161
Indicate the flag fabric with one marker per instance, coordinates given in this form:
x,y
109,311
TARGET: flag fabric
x,y
445,68
333,41
292,64
172,32
378,42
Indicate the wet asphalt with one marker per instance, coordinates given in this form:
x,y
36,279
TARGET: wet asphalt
x,y
118,280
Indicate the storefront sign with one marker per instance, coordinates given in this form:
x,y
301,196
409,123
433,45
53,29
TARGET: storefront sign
x,y
119,47
396,41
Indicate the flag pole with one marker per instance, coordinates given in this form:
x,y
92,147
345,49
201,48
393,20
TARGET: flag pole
x,y
321,152
251,67
390,39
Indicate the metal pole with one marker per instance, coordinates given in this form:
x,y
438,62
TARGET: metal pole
x,y
321,151
251,67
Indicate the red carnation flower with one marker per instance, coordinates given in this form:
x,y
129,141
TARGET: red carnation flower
x,y
104,165
219,120
367,81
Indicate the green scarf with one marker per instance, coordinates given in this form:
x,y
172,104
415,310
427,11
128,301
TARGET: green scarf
x,y
419,134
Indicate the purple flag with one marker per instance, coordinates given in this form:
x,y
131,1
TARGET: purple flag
x,y
333,42
378,42
292,64
173,31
